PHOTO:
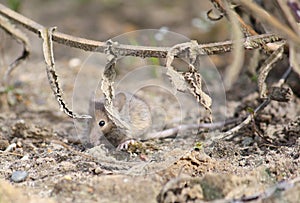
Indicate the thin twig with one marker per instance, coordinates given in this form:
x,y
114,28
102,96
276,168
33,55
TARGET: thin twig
x,y
172,132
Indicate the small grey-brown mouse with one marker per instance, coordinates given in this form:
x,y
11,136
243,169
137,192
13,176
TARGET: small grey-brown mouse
x,y
132,109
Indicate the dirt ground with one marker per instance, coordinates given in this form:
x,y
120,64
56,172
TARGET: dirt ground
x,y
260,163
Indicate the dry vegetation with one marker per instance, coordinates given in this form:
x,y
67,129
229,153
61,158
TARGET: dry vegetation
x,y
257,147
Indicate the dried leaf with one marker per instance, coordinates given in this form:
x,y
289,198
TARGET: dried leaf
x,y
191,80
177,79
195,82
107,86
46,35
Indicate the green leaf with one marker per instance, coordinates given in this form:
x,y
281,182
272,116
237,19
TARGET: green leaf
x,y
14,4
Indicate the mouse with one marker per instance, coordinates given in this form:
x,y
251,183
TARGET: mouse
x,y
131,108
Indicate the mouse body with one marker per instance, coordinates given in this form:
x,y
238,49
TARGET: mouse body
x,y
132,110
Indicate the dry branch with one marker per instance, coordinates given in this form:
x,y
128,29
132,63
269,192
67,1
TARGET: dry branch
x,y
130,50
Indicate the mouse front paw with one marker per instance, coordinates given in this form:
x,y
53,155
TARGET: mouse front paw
x,y
124,145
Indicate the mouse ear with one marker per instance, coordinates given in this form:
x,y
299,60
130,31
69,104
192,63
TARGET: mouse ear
x,y
120,100
95,104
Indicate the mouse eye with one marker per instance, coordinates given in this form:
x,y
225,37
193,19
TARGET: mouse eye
x,y
101,123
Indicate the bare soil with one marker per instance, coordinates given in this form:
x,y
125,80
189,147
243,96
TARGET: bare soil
x,y
259,164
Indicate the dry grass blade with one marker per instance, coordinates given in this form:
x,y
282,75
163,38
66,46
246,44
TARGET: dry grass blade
x,y
109,74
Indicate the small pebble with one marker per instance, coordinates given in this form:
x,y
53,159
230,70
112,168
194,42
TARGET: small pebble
x,y
98,170
67,177
19,176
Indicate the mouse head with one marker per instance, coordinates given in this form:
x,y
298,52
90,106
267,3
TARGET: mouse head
x,y
103,122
